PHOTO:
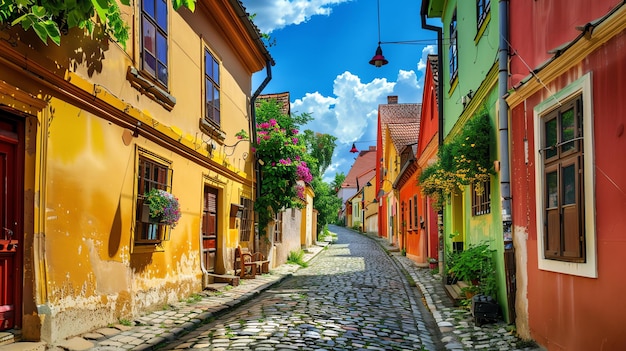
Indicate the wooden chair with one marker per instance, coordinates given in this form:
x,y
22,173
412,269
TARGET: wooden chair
x,y
262,263
244,264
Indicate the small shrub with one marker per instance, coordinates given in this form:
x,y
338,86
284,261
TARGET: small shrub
x,y
297,257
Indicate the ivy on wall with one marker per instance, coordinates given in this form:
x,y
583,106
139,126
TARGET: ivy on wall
x,y
463,161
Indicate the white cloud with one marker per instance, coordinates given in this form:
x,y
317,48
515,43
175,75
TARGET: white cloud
x,y
276,14
428,50
352,112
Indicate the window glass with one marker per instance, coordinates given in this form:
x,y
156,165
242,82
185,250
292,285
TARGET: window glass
x,y
568,129
569,185
550,138
161,15
154,39
553,189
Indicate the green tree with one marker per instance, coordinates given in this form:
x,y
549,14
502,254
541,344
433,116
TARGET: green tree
x,y
325,202
320,147
49,18
336,183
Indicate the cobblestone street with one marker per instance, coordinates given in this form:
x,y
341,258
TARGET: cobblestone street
x,y
358,293
352,296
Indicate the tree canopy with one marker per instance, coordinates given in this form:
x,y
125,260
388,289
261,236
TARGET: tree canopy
x,y
50,18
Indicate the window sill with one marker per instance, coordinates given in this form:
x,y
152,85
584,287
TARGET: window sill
x,y
482,28
212,131
147,87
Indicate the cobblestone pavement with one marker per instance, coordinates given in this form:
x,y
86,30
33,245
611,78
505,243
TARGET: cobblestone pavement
x,y
353,296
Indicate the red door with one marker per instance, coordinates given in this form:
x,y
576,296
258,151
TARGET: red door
x,y
209,229
11,211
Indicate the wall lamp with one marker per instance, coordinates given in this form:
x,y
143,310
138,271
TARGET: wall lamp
x,y
379,60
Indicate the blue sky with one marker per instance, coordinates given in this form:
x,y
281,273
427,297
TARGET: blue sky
x,y
322,49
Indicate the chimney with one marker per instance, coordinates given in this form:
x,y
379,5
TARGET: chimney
x,y
392,99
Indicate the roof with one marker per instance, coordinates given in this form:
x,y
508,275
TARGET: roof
x,y
281,98
398,113
365,161
252,29
403,134
433,60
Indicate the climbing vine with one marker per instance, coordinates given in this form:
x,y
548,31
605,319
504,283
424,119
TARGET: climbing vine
x,y
463,161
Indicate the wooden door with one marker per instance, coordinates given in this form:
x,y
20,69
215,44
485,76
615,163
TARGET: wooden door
x,y
11,213
209,229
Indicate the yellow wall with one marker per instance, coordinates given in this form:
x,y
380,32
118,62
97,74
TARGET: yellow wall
x,y
80,173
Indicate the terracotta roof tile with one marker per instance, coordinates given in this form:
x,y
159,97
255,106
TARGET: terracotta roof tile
x,y
365,162
281,98
403,134
398,113
434,67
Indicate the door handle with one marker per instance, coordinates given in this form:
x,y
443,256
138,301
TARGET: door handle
x,y
7,233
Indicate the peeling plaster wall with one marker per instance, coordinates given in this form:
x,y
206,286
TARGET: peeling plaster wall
x,y
520,241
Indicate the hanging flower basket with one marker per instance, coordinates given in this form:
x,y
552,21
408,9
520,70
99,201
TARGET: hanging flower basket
x,y
160,207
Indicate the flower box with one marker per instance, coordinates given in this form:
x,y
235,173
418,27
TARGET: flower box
x,y
145,215
160,207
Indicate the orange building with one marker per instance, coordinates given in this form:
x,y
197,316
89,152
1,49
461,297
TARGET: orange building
x,y
388,162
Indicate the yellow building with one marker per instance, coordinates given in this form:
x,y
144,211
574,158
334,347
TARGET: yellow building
x,y
88,127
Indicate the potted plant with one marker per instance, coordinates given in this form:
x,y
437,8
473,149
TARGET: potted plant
x,y
161,207
433,262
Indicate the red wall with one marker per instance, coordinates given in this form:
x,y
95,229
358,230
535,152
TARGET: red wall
x,y
415,239
429,126
567,312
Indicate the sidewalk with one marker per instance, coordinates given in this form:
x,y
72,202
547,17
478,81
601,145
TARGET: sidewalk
x,y
152,331
458,331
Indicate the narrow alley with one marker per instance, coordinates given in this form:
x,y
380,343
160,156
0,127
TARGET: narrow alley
x,y
352,296
358,293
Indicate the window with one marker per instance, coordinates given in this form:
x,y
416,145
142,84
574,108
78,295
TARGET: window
x,y
247,219
211,89
482,10
151,173
416,222
453,54
410,214
154,39
481,198
564,187
563,178
278,228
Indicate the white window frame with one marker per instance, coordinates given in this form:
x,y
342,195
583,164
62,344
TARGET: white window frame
x,y
589,268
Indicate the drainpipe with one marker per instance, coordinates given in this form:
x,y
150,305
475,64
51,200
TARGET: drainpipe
x,y
503,75
505,174
439,32
257,171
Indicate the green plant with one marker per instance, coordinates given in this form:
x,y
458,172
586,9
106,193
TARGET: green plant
x,y
280,154
163,206
297,257
356,226
126,322
475,265
462,161
193,298
403,251
49,18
